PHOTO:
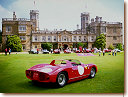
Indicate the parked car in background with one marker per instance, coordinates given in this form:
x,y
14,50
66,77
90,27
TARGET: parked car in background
x,y
96,50
33,51
67,51
61,72
107,50
45,51
117,50
77,51
56,51
88,51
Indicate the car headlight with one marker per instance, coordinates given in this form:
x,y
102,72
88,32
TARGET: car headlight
x,y
46,70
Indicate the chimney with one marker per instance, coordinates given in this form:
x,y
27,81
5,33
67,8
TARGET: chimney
x,y
14,16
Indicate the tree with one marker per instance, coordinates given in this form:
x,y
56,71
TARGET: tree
x,y
85,45
14,43
80,44
119,46
47,46
111,47
100,42
0,36
55,45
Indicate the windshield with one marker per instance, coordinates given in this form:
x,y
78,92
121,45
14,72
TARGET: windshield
x,y
58,62
74,62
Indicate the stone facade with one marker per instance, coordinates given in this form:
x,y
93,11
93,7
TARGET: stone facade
x,y
32,37
114,34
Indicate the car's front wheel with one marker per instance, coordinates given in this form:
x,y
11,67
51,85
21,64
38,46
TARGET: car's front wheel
x,y
92,73
61,79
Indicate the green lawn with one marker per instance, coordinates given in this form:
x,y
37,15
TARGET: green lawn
x,y
109,78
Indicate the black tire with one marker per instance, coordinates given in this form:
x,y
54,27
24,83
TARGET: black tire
x,y
92,72
61,79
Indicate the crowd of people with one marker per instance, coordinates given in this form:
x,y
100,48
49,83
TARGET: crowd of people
x,y
113,52
8,50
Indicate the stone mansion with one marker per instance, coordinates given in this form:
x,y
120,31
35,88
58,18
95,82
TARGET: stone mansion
x,y
32,38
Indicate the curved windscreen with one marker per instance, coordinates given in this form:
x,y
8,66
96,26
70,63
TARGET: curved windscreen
x,y
58,62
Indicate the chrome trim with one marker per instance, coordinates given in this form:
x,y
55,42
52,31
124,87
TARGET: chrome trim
x,y
78,77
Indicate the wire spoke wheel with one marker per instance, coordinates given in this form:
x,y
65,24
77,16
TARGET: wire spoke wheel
x,y
61,79
93,72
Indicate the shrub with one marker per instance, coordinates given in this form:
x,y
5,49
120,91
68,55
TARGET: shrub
x,y
14,43
47,46
100,42
111,47
119,46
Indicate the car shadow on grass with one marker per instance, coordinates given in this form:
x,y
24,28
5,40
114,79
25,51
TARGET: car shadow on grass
x,y
43,85
33,85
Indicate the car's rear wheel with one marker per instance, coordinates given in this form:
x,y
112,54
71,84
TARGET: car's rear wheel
x,y
92,73
61,79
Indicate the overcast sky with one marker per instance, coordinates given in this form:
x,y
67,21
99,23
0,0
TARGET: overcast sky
x,y
63,14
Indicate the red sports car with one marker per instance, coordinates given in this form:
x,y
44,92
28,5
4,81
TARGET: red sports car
x,y
67,51
56,51
88,51
77,51
107,50
61,72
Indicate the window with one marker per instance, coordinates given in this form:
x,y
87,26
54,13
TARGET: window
x,y
35,38
49,38
86,18
103,29
114,30
34,24
74,38
54,38
43,38
83,18
84,38
86,24
64,38
23,46
92,38
22,27
35,46
8,28
79,38
114,38
22,37
114,44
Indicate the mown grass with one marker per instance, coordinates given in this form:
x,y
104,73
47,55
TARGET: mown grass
x,y
109,78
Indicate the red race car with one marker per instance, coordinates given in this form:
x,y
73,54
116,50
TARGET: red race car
x,y
56,51
107,50
88,51
67,51
77,51
61,72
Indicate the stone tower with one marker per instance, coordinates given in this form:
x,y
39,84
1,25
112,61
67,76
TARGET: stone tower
x,y
85,18
34,18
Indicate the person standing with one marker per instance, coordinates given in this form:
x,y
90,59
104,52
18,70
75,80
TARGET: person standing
x,y
9,51
37,51
51,50
99,53
6,51
103,53
115,52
